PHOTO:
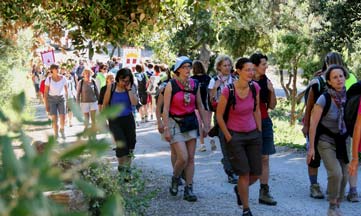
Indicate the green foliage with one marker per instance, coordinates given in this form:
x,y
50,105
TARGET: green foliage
x,y
24,179
284,134
128,187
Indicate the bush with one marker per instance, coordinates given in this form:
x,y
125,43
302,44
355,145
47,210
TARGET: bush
x,y
284,134
129,184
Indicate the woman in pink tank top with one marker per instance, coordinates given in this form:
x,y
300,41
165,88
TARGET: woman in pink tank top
x,y
242,131
181,98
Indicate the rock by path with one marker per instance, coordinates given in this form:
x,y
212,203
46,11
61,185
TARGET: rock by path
x,y
289,182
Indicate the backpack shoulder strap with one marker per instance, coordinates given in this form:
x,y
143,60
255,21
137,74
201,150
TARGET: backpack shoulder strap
x,y
328,103
175,87
230,102
254,94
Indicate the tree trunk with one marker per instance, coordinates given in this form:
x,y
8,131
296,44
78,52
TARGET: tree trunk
x,y
204,56
294,95
283,84
112,52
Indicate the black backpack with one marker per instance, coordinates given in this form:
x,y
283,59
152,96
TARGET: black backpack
x,y
231,102
142,83
210,100
351,107
318,89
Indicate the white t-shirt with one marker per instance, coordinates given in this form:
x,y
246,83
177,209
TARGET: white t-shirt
x,y
223,84
56,88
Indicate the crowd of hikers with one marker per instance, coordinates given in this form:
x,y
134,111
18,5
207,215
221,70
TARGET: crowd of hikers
x,y
233,106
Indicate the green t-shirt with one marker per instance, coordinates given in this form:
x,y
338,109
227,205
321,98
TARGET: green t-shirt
x,y
102,80
350,81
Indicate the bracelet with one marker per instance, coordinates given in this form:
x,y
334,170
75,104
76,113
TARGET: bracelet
x,y
165,128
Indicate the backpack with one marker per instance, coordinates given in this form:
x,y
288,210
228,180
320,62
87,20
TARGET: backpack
x,y
351,107
95,87
176,88
321,87
142,82
232,102
212,104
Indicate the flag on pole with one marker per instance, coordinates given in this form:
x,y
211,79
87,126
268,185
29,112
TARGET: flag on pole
x,y
48,57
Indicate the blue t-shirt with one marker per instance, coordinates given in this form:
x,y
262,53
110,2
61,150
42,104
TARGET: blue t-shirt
x,y
122,98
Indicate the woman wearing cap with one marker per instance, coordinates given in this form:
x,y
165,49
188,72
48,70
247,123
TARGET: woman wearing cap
x,y
56,91
181,98
87,97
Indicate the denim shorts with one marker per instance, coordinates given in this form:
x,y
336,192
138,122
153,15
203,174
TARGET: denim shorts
x,y
56,105
244,152
268,146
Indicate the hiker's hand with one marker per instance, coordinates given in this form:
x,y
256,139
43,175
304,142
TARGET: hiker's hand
x,y
310,155
305,130
167,135
160,127
270,86
228,138
352,167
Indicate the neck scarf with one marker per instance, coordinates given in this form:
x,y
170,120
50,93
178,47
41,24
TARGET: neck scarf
x,y
340,99
187,87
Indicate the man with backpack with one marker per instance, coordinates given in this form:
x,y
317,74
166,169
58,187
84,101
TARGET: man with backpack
x,y
315,88
267,101
142,90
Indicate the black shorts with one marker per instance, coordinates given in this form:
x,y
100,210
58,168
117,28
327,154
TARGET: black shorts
x,y
245,152
123,131
143,98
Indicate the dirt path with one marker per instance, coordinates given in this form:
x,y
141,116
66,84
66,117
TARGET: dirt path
x,y
289,181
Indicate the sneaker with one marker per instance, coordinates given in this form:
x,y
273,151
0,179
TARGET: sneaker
x,y
239,201
247,213
173,190
213,145
352,197
232,178
265,196
316,192
202,148
188,194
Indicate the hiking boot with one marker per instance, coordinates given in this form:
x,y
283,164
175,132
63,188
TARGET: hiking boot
x,y
232,178
188,194
180,183
62,134
247,213
239,201
213,145
265,196
202,148
173,190
333,211
316,192
352,197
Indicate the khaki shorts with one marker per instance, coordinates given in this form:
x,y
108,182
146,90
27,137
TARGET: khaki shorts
x,y
177,136
87,107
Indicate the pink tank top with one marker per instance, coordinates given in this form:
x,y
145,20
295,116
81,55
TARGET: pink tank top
x,y
241,118
177,105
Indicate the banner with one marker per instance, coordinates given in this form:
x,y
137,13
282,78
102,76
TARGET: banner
x,y
48,57
131,57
